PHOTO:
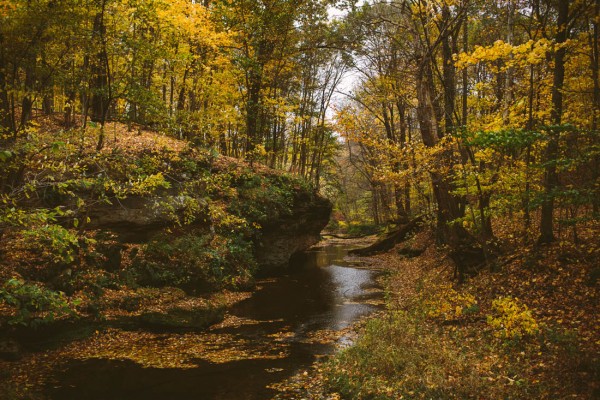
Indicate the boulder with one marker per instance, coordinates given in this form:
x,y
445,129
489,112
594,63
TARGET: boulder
x,y
136,218
283,237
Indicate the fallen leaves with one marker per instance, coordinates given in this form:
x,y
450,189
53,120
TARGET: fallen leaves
x,y
557,360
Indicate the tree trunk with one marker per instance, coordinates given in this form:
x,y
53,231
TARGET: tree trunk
x,y
6,118
551,175
447,204
69,109
99,99
428,128
465,73
48,103
27,102
508,76
449,75
252,110
594,61
182,91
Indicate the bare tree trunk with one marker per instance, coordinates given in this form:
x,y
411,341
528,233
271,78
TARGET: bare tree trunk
x,y
594,61
448,208
428,128
99,98
508,77
27,102
449,74
465,73
375,207
69,109
6,118
526,197
252,111
48,103
551,175
101,95
404,140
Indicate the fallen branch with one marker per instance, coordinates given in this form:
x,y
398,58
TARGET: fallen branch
x,y
333,235
390,240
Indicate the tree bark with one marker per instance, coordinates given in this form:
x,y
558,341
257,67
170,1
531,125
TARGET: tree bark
x,y
551,174
99,99
449,74
594,62
6,118
448,206
27,102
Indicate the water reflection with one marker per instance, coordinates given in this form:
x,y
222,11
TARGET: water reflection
x,y
321,291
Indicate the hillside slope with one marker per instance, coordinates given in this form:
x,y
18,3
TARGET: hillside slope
x,y
130,229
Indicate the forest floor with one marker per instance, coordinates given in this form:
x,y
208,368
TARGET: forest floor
x,y
54,310
529,329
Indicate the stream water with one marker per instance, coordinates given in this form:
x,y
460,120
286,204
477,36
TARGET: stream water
x,y
321,292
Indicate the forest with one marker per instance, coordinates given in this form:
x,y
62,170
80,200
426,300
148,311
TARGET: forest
x,y
158,159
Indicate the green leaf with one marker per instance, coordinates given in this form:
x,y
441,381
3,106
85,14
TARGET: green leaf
x,y
5,155
57,146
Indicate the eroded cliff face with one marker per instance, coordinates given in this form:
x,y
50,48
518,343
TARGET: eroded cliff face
x,y
134,233
137,218
283,237
280,233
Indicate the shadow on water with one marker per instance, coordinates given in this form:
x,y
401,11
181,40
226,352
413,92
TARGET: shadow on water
x,y
320,292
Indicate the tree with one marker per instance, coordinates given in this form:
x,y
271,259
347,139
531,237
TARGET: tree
x,y
551,176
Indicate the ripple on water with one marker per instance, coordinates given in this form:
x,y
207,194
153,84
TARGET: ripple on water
x,y
284,326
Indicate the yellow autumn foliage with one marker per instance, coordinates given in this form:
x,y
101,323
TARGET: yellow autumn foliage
x,y
449,304
511,319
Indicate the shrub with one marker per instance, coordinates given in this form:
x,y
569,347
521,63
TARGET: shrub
x,y
60,243
34,304
262,197
449,304
196,262
511,319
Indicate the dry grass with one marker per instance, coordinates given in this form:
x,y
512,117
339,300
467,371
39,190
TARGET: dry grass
x,y
413,353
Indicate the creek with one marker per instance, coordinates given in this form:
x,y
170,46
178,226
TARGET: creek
x,y
284,328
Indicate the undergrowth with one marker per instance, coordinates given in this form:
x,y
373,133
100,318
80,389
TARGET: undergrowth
x,y
213,209
473,341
